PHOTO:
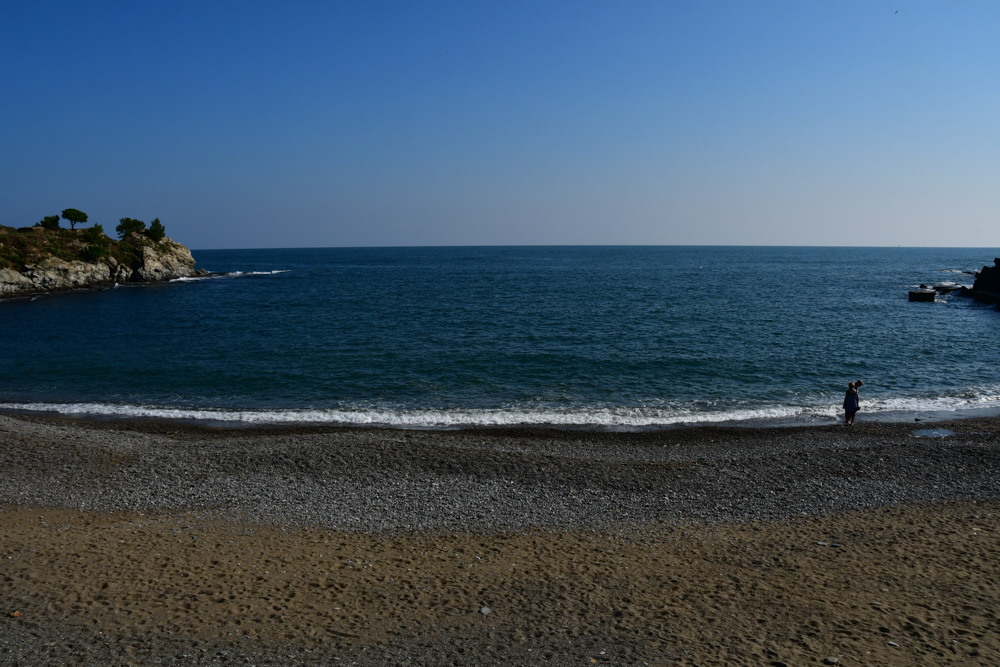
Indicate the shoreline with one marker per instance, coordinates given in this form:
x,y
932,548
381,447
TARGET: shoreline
x,y
138,542
801,421
901,422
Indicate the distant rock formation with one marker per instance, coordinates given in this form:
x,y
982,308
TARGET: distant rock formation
x,y
988,280
34,260
987,285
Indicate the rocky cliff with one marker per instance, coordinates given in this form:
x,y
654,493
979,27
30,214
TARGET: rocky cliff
x,y
986,288
34,260
988,280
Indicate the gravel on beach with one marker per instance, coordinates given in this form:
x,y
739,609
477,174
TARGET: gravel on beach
x,y
488,480
545,496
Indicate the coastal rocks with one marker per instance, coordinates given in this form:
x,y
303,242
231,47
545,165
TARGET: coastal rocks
x,y
149,262
942,288
922,294
120,273
929,293
12,282
167,261
53,273
988,280
986,288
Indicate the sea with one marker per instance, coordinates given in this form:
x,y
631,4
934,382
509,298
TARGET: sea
x,y
608,338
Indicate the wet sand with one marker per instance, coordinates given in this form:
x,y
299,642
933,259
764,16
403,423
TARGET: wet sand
x,y
904,581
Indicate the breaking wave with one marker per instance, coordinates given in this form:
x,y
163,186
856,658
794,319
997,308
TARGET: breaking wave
x,y
231,274
599,417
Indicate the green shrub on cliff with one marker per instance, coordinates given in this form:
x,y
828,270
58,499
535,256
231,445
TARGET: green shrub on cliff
x,y
156,231
30,245
93,252
95,235
74,216
127,226
24,246
50,222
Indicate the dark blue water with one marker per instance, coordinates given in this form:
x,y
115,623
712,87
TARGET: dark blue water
x,y
615,336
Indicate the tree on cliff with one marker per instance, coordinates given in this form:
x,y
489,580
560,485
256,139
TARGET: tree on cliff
x,y
128,225
74,217
49,222
156,230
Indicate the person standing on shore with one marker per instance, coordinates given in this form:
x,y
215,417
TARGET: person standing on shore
x,y
850,404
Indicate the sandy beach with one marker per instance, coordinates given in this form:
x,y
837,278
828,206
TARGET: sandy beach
x,y
165,543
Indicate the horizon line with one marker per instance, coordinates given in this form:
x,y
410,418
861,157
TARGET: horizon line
x,y
602,245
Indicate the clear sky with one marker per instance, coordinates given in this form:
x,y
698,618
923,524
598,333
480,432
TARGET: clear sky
x,y
292,124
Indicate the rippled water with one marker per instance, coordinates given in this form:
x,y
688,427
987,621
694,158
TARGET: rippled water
x,y
614,336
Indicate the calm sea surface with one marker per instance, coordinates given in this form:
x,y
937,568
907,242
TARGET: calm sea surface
x,y
598,336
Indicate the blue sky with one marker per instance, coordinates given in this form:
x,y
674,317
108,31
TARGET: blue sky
x,y
396,123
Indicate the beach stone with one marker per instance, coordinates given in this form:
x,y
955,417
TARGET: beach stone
x,y
485,611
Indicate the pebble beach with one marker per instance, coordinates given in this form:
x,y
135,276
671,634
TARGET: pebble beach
x,y
143,542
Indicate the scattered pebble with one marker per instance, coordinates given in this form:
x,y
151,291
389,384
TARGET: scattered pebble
x,y
481,479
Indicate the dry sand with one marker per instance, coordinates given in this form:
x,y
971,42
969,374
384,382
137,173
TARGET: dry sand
x,y
896,585
924,577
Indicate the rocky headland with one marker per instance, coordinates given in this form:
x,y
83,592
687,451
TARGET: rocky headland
x,y
35,260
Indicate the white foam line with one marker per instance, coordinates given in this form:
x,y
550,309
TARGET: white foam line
x,y
260,273
231,274
491,417
595,417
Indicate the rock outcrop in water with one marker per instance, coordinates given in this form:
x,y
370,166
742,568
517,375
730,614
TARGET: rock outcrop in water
x,y
34,259
987,285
